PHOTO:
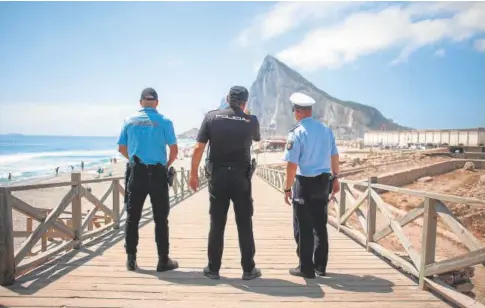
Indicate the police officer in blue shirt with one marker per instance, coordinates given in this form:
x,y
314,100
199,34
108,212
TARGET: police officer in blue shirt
x,y
311,155
230,132
143,141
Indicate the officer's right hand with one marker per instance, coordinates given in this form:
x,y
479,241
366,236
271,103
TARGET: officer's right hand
x,y
288,197
194,182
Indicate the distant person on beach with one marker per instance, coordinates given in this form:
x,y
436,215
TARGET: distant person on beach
x,y
72,167
229,168
9,176
57,171
82,165
143,141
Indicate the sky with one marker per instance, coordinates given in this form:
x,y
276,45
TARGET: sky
x,y
78,68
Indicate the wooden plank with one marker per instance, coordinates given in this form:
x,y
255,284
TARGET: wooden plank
x,y
97,203
106,179
41,228
371,213
403,221
208,294
394,258
428,247
452,295
469,259
89,217
76,207
228,287
465,236
40,302
38,186
29,210
116,204
7,258
354,207
476,203
396,227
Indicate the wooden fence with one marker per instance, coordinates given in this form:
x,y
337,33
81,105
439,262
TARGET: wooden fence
x,y
60,231
361,200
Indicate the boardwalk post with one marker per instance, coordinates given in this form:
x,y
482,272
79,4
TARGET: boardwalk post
x,y
116,204
182,183
371,214
341,204
76,206
7,259
428,242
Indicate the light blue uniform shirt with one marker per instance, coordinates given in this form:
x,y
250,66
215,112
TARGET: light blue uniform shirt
x,y
310,145
147,134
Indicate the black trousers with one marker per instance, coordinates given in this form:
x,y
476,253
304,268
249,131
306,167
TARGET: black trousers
x,y
230,183
310,215
141,181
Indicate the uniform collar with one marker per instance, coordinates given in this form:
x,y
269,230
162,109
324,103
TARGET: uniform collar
x,y
148,109
307,119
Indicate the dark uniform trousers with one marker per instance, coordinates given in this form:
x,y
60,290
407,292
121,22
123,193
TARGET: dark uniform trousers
x,y
230,183
142,180
310,215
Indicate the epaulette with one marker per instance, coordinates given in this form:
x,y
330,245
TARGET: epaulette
x,y
211,111
295,127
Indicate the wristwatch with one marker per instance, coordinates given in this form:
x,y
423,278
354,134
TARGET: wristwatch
x,y
335,176
287,190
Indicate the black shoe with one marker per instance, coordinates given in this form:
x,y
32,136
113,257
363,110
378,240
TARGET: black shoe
x,y
211,274
254,273
166,265
320,271
297,272
131,262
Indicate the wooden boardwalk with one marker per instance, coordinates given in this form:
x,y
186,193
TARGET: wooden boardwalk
x,y
95,275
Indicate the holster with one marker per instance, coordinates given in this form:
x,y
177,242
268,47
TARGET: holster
x,y
209,166
330,188
171,176
252,168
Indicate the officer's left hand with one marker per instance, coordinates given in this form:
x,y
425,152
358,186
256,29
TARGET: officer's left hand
x,y
193,182
335,188
288,197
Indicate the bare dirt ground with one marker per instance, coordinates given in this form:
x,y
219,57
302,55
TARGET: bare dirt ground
x,y
459,183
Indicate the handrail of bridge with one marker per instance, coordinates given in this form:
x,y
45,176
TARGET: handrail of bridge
x,y
65,230
423,265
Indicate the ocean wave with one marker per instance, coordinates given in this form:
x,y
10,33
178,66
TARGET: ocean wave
x,y
8,159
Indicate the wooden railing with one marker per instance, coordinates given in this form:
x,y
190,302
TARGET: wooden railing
x,y
361,200
59,230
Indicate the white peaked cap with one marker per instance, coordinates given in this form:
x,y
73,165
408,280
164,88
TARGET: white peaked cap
x,y
301,100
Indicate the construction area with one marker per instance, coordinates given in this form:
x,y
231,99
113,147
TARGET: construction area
x,y
434,170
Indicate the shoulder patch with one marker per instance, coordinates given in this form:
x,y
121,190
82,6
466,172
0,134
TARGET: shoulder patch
x,y
290,140
289,144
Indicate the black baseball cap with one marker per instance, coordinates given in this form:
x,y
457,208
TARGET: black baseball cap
x,y
149,94
238,94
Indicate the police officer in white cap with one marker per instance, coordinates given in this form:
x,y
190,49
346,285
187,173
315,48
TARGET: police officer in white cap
x,y
312,158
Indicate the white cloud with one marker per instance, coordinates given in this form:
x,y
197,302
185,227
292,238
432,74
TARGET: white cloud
x,y
440,53
286,16
405,28
480,45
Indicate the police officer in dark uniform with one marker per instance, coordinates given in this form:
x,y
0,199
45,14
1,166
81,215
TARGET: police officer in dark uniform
x,y
143,141
230,132
313,163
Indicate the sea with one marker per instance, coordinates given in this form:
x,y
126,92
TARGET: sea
x,y
34,157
